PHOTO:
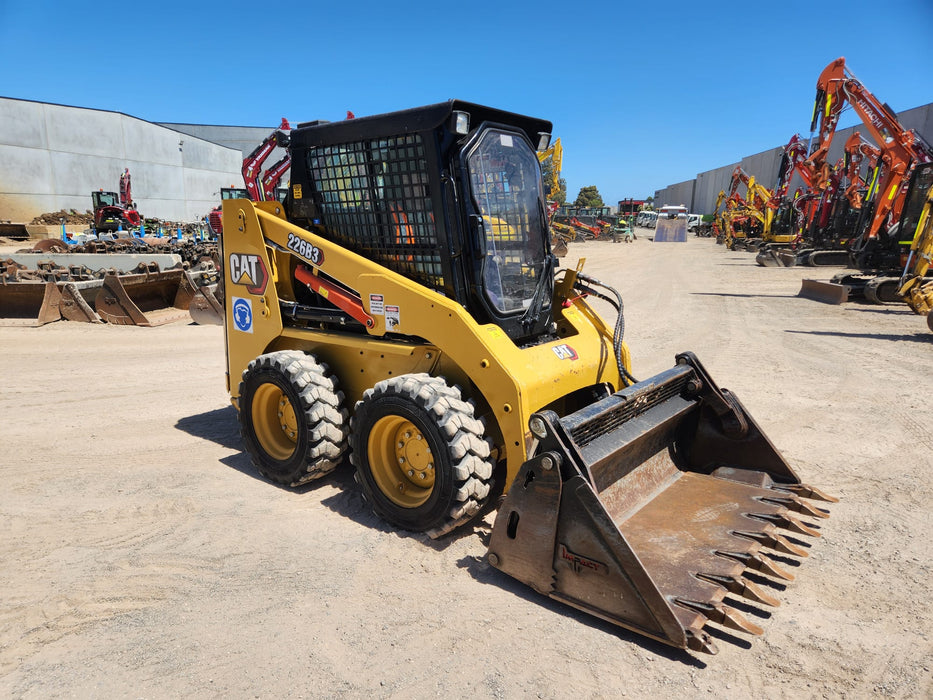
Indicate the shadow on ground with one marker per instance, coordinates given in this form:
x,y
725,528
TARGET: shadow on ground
x,y
745,296
483,572
916,338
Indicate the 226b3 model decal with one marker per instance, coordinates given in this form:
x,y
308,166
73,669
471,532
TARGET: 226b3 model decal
x,y
308,251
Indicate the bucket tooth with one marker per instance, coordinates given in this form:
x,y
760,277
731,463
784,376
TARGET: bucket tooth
x,y
702,642
807,491
722,615
795,504
739,585
760,563
784,519
772,540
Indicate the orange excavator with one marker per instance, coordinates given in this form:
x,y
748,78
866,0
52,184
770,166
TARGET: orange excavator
x,y
876,246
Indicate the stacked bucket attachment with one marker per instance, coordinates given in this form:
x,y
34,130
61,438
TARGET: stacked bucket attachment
x,y
36,303
651,507
148,297
207,304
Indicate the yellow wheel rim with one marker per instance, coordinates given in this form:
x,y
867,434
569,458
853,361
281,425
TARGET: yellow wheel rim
x,y
401,461
274,422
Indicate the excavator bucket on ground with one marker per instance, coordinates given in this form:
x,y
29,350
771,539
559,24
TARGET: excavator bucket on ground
x,y
149,298
207,305
652,506
36,303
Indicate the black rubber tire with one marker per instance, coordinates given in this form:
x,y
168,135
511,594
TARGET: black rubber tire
x,y
462,468
321,423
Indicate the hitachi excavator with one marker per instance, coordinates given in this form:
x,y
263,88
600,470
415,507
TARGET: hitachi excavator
x,y
403,305
879,246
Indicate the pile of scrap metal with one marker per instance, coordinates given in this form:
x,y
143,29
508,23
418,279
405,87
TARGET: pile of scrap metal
x,y
122,286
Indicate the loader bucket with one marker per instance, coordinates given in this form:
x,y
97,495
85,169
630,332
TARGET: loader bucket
x,y
74,305
150,298
30,303
207,307
826,292
648,508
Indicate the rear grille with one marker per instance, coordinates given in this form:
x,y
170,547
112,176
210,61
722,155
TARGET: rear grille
x,y
374,197
607,415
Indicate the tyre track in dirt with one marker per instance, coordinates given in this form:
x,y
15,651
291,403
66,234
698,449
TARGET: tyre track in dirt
x,y
144,557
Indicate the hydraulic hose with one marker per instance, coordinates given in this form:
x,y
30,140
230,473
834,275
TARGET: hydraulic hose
x,y
619,330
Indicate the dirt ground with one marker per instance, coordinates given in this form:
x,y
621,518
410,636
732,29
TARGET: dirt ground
x,y
143,556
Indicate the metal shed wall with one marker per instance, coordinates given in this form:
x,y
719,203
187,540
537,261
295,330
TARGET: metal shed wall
x,y
53,156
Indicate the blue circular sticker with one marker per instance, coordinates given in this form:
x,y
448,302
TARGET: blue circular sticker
x,y
243,315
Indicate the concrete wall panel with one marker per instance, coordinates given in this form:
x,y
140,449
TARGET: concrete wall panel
x,y
763,166
709,185
25,170
22,124
76,174
149,144
681,193
84,131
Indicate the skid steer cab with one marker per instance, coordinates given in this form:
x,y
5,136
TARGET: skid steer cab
x,y
402,310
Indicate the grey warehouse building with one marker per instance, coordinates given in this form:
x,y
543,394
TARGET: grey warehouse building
x,y
53,156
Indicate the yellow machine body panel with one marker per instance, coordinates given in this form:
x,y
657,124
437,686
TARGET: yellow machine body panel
x,y
259,245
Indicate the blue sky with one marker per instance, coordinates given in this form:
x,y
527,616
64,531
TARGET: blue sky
x,y
642,96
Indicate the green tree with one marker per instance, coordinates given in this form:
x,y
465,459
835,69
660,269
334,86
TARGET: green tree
x,y
562,195
547,176
589,197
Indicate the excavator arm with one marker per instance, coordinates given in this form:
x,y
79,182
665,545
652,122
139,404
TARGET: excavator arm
x,y
273,176
900,148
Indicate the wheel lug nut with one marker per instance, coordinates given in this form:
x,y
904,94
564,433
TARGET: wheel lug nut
x,y
408,435
411,472
421,475
401,460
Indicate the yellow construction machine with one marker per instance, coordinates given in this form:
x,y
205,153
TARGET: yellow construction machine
x,y
915,286
403,304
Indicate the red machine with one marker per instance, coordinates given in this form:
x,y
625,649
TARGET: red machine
x,y
252,164
110,214
273,176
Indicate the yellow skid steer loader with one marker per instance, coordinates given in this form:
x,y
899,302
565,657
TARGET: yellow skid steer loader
x,y
403,305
